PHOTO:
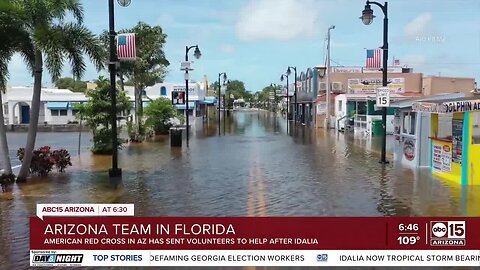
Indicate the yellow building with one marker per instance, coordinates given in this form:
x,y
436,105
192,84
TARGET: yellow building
x,y
455,139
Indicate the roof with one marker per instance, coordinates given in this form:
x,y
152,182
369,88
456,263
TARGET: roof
x,y
438,101
440,98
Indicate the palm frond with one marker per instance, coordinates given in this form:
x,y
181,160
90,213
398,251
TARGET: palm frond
x,y
79,37
60,8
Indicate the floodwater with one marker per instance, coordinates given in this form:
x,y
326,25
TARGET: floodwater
x,y
255,169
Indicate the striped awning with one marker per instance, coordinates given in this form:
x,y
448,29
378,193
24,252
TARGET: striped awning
x,y
58,105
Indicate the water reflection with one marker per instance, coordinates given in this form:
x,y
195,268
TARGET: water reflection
x,y
254,170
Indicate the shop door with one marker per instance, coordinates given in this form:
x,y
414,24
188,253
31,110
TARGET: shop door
x,y
25,114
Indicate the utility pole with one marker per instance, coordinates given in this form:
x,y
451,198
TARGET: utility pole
x,y
327,120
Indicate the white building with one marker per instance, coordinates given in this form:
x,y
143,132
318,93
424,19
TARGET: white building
x,y
57,105
196,95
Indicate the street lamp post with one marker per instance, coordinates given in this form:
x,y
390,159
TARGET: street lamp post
x,y
367,18
285,76
220,98
197,55
114,171
226,100
274,86
294,94
327,125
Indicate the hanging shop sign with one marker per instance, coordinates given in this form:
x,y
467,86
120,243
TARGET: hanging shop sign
x,y
447,107
369,86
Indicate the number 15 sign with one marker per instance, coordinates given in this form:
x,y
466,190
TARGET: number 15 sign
x,y
383,97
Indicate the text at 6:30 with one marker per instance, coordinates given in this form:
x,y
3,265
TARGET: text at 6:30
x,y
408,227
119,209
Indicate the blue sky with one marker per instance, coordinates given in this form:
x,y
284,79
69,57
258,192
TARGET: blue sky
x,y
255,40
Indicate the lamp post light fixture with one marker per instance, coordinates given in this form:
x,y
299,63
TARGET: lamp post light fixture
x,y
274,86
294,93
283,77
115,171
220,98
321,74
322,71
367,18
124,3
197,55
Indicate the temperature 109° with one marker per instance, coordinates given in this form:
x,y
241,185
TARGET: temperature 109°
x,y
408,240
408,227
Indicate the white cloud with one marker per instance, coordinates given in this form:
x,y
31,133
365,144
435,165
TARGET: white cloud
x,y
278,20
419,26
227,48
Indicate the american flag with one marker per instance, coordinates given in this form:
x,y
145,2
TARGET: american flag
x,y
126,49
374,58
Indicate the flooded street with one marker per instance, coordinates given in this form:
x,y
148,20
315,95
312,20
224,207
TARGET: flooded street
x,y
254,170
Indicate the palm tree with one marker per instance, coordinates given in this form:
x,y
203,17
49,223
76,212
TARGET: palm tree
x,y
15,39
54,39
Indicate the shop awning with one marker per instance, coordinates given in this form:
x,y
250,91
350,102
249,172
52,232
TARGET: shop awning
x,y
56,105
209,100
191,105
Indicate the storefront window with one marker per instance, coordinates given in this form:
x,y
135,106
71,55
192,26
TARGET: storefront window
x,y
362,107
445,126
475,127
409,121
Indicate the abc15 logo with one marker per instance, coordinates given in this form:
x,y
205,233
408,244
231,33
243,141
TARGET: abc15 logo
x,y
448,229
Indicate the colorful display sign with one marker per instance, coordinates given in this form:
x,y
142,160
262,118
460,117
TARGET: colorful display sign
x,y
178,97
441,157
369,86
409,149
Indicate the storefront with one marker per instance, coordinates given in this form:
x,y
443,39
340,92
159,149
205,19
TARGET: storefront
x,y
196,96
412,131
454,139
358,111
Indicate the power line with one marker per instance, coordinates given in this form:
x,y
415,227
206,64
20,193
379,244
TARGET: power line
x,y
337,63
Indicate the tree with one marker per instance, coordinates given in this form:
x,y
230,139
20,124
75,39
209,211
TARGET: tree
x,y
159,115
97,114
71,84
237,89
149,68
54,40
15,38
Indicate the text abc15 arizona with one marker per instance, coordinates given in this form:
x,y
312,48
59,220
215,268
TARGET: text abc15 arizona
x,y
448,233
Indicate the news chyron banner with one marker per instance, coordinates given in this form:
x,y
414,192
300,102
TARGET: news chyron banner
x,y
110,235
